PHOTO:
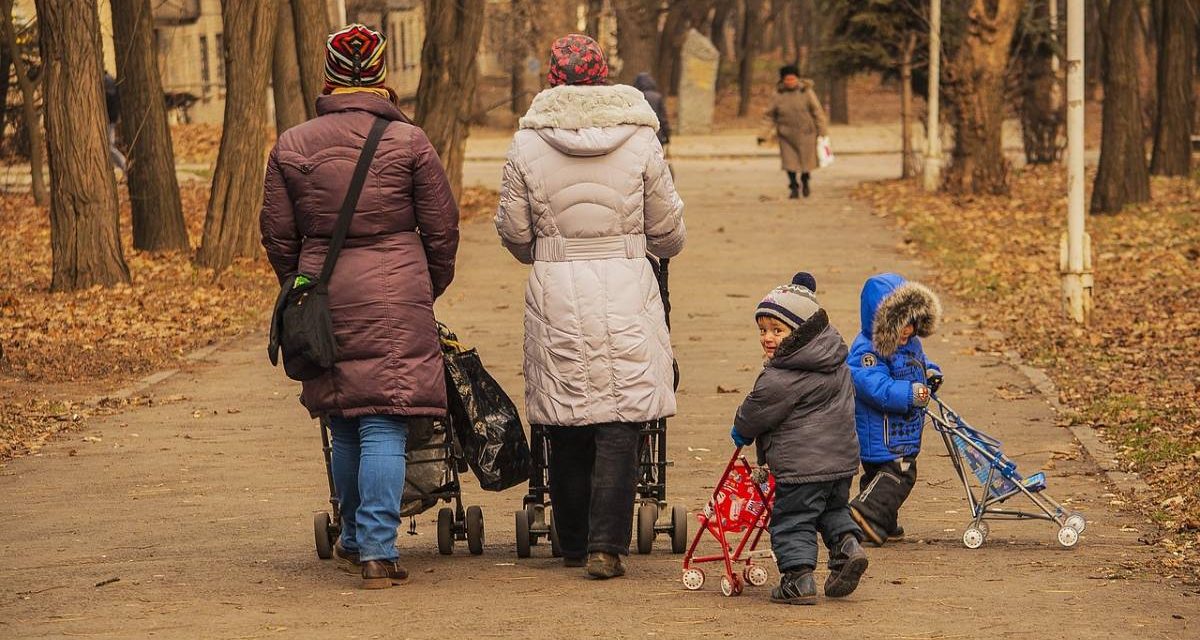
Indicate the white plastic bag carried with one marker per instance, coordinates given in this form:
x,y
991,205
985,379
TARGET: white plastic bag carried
x,y
824,152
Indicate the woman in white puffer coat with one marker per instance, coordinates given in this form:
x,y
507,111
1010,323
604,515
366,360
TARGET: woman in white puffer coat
x,y
587,196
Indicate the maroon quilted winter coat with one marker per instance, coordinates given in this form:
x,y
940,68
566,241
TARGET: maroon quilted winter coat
x,y
398,257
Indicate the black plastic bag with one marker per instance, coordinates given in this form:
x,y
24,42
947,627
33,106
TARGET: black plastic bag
x,y
484,419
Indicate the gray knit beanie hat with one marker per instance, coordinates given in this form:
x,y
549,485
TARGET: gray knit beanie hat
x,y
792,304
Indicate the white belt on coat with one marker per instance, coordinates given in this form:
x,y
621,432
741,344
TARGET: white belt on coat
x,y
559,249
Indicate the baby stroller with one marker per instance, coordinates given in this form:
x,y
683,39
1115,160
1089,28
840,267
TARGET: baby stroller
x,y
532,521
974,453
740,504
431,477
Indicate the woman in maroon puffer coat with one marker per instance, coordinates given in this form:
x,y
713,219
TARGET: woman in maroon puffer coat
x,y
397,259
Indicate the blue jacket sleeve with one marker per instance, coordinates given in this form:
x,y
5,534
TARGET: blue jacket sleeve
x,y
874,384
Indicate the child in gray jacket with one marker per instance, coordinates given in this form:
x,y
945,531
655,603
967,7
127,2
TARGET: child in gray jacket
x,y
801,411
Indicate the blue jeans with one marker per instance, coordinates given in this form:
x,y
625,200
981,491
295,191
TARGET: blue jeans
x,y
368,473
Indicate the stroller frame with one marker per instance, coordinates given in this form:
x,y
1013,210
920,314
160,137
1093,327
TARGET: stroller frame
x,y
998,483
653,515
712,522
453,524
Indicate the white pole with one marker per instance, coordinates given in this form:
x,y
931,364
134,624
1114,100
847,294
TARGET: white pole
x,y
1076,250
933,144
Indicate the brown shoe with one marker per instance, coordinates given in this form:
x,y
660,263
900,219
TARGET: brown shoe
x,y
347,560
603,566
381,574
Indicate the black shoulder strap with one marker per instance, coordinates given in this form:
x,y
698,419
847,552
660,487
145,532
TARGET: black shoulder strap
x,y
351,201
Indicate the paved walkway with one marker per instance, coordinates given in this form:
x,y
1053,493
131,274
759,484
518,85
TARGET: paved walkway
x,y
192,517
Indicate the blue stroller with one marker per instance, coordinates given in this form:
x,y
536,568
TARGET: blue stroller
x,y
975,453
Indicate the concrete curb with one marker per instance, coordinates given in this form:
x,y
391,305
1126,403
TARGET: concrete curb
x,y
1105,457
159,376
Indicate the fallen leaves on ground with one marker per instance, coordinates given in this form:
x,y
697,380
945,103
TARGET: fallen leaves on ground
x,y
1132,374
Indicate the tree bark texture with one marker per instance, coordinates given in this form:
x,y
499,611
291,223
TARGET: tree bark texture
x,y
1041,104
748,39
85,239
453,29
683,16
718,35
595,9
5,63
839,100
975,98
37,159
637,36
908,167
230,225
285,73
1176,98
311,29
153,188
1122,177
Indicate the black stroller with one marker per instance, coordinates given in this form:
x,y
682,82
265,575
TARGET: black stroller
x,y
432,477
535,520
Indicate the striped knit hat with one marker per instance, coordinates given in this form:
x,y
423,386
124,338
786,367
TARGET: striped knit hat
x,y
791,304
577,59
354,58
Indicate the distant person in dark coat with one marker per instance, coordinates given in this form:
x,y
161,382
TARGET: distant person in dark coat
x,y
644,82
112,104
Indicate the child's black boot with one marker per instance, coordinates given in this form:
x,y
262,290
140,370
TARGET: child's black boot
x,y
847,563
796,587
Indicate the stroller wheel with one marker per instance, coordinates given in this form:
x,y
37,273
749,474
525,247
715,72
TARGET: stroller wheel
x,y
475,530
679,527
523,550
1068,537
755,575
1076,521
985,528
647,516
731,587
973,537
445,531
322,535
693,579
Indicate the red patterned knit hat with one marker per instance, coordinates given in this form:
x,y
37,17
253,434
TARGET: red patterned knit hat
x,y
354,58
577,59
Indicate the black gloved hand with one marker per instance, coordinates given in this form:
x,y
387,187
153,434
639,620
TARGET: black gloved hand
x,y
934,379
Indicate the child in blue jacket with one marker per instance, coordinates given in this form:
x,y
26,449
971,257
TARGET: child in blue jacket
x,y
892,381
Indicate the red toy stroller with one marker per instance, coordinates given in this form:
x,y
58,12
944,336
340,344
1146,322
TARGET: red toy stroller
x,y
740,504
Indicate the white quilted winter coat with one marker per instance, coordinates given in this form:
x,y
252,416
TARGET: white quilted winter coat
x,y
587,195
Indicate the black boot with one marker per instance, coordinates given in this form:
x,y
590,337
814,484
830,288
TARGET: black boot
x,y
804,184
796,587
897,534
793,192
875,534
847,563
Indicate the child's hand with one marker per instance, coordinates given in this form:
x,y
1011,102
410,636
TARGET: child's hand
x,y
920,395
739,439
934,379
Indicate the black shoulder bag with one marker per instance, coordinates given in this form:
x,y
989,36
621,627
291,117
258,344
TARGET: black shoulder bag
x,y
301,326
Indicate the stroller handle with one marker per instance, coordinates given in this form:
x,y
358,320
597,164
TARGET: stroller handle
x,y
949,419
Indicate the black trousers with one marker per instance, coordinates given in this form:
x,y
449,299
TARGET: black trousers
x,y
803,510
883,488
593,479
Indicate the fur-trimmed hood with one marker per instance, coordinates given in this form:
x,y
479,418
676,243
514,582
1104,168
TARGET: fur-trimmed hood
x,y
889,303
589,120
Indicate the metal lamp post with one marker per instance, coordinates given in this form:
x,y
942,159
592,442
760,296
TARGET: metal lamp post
x,y
1076,247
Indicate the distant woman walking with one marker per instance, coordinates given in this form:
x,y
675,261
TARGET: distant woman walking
x,y
586,196
397,259
797,119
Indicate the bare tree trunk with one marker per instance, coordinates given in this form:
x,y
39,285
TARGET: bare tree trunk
x,y
637,35
453,29
1041,104
285,79
1122,177
718,36
1176,97
747,51
839,100
36,144
311,28
5,63
153,188
595,9
230,229
684,14
84,226
908,167
806,36
975,86
1093,52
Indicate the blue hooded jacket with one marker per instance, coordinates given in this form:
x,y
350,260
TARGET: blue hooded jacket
x,y
888,423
